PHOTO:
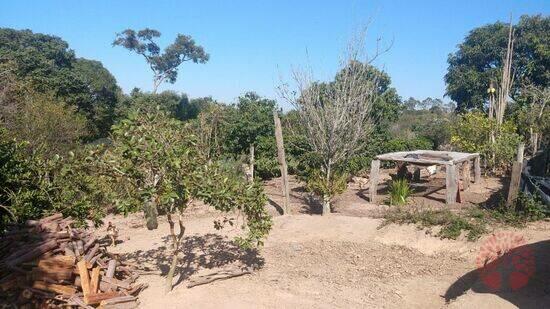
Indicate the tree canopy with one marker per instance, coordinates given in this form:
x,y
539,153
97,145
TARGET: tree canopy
x,y
45,64
165,65
479,59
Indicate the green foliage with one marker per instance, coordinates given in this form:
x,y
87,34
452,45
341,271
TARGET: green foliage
x,y
45,64
250,120
50,126
33,186
318,184
399,192
20,195
472,133
526,208
401,144
155,164
452,225
165,65
479,58
430,118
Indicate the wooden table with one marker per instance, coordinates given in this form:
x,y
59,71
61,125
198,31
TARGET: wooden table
x,y
450,159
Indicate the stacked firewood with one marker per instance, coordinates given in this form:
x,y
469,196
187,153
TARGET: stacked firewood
x,y
48,263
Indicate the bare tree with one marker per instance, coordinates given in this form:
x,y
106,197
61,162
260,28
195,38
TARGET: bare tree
x,y
503,91
336,115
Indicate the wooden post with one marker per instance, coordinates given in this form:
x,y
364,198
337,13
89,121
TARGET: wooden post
x,y
416,174
374,175
515,180
282,162
251,163
521,148
451,184
466,175
477,170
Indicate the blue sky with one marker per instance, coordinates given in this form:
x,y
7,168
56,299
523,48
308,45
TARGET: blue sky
x,y
253,43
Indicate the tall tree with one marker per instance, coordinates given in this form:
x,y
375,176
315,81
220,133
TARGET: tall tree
x,y
479,60
45,64
165,65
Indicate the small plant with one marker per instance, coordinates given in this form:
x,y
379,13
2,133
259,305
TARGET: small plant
x,y
452,225
399,192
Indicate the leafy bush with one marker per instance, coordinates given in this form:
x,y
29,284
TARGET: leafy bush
x,y
399,192
472,133
317,184
402,144
33,186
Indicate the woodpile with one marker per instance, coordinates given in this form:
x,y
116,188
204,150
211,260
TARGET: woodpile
x,y
48,263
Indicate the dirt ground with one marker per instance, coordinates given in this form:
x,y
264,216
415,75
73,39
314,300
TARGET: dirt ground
x,y
343,260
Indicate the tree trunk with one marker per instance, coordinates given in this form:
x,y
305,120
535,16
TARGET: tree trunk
x,y
326,205
251,163
151,213
175,247
282,162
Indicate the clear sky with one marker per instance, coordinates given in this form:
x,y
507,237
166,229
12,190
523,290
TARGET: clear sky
x,y
252,43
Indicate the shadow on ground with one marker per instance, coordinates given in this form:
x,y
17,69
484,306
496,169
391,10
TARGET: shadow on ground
x,y
199,252
521,276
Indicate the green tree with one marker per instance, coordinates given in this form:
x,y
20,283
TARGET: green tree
x,y
479,59
45,64
250,120
165,65
156,164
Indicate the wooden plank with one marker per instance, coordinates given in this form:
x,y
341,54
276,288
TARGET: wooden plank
x,y
121,302
34,253
374,176
515,180
111,269
116,282
84,277
282,162
56,288
451,184
93,299
94,281
477,169
466,175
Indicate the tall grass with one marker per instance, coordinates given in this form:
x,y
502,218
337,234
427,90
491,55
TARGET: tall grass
x,y
399,192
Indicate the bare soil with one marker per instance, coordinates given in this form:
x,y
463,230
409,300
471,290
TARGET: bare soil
x,y
343,260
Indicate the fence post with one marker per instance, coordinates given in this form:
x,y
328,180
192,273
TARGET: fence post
x,y
515,179
282,162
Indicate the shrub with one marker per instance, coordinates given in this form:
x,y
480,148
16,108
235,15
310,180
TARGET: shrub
x,y
399,192
402,144
472,133
452,225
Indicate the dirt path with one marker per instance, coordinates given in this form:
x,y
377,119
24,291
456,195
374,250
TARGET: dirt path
x,y
343,260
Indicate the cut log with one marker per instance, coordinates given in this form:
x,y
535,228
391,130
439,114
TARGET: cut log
x,y
93,299
111,269
116,282
92,252
56,288
94,281
34,253
84,278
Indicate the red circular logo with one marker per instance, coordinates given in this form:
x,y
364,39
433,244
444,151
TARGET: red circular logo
x,y
505,262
